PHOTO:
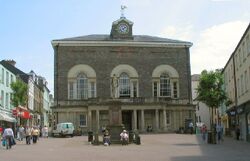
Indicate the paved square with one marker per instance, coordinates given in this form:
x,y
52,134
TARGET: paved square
x,y
158,147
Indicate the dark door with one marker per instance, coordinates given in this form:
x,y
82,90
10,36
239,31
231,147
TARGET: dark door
x,y
127,119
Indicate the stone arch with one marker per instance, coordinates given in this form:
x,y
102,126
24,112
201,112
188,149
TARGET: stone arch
x,y
124,68
167,69
82,68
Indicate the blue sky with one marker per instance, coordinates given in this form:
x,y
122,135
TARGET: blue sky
x,y
213,26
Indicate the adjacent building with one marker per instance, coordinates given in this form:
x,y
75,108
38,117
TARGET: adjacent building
x,y
237,86
6,78
148,77
38,96
202,110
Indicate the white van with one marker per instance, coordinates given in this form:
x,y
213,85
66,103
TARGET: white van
x,y
64,129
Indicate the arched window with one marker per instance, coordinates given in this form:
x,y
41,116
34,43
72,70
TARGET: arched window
x,y
124,85
165,88
82,86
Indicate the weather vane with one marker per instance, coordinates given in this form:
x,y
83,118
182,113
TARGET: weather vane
x,y
123,7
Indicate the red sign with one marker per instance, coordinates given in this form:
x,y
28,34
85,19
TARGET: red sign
x,y
21,113
25,114
14,112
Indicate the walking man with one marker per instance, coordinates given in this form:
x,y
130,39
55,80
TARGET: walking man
x,y
191,127
219,131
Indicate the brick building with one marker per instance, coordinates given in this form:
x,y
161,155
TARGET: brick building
x,y
148,76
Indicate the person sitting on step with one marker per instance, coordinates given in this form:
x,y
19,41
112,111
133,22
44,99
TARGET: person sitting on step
x,y
124,137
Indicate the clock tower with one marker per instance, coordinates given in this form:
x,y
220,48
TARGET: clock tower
x,y
122,28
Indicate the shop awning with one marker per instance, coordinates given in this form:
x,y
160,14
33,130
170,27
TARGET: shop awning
x,y
5,117
21,112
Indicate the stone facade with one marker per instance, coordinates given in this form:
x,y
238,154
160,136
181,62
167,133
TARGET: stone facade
x,y
142,60
237,85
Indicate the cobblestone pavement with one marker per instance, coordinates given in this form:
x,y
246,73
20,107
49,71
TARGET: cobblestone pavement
x,y
158,147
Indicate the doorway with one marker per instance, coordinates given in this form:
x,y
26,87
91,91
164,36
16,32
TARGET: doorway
x,y
127,119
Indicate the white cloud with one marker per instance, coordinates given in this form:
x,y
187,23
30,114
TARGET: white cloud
x,y
137,3
221,0
215,45
180,33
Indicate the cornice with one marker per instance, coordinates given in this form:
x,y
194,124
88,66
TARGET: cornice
x,y
119,43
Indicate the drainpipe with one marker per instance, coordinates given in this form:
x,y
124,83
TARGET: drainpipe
x,y
56,76
189,76
235,90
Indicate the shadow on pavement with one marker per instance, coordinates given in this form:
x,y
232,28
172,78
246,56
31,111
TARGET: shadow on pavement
x,y
228,150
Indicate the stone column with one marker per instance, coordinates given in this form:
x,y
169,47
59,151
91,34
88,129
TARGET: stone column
x,y
90,120
134,120
164,120
156,120
97,121
142,121
181,118
175,120
67,115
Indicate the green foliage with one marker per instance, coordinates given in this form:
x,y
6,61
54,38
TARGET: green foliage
x,y
210,89
19,93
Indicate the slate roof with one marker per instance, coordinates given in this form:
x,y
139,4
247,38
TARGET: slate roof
x,y
16,71
136,38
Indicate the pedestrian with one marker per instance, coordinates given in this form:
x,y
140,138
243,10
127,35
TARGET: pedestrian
x,y
45,131
219,131
124,137
21,132
191,127
8,135
106,138
237,132
1,132
35,134
204,132
28,134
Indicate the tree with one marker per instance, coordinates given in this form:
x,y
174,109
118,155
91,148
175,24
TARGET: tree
x,y
210,90
19,93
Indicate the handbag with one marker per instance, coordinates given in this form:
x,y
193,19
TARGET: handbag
x,y
13,141
3,142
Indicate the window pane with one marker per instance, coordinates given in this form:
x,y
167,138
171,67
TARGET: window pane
x,y
71,90
135,89
2,75
165,89
155,89
92,89
175,90
2,98
124,85
7,79
7,101
82,87
82,120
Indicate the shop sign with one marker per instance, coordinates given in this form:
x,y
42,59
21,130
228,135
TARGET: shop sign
x,y
232,113
14,112
240,110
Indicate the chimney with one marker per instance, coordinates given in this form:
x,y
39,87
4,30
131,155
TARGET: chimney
x,y
12,62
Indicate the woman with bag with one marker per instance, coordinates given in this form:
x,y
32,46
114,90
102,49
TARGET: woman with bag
x,y
35,134
8,135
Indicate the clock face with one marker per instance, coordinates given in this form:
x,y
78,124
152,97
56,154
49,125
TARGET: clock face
x,y
123,28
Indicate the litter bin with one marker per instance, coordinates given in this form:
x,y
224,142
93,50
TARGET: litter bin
x,y
138,140
131,136
211,137
90,136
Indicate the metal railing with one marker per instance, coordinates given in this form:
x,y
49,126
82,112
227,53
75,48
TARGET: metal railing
x,y
137,100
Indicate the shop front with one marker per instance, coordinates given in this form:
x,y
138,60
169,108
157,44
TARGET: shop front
x,y
6,118
247,111
22,115
232,121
